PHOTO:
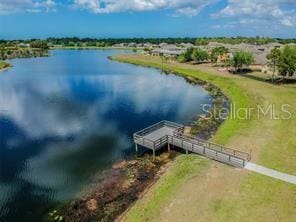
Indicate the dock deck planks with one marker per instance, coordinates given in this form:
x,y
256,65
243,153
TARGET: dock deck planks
x,y
167,133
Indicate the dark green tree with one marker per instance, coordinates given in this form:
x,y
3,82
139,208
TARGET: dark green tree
x,y
39,44
240,59
287,61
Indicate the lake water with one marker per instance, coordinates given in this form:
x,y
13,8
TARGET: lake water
x,y
65,117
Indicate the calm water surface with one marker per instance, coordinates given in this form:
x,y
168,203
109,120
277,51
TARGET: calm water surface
x,y
65,117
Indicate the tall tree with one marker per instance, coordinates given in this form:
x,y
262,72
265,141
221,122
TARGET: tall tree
x,y
240,59
40,44
287,61
274,58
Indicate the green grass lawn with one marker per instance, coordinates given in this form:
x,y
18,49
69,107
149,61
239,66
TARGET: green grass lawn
x,y
184,166
272,142
260,198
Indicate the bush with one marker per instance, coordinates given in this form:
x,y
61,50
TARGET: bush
x,y
186,56
199,55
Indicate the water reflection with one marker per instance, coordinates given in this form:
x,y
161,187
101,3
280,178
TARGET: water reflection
x,y
65,117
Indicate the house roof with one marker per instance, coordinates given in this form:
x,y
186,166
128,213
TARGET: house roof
x,y
260,59
187,45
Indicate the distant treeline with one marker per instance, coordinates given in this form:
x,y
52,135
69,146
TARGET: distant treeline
x,y
111,41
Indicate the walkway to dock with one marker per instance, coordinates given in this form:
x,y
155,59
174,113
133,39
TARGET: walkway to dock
x,y
271,173
167,133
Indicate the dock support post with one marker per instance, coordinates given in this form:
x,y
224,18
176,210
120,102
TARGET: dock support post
x,y
169,148
153,154
186,151
136,146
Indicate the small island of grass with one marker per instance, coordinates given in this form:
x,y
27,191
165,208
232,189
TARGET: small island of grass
x,y
4,65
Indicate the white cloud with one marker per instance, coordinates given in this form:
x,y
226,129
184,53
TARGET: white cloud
x,y
188,11
274,11
182,7
33,6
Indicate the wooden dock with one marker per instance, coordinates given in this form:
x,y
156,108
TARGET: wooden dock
x,y
167,133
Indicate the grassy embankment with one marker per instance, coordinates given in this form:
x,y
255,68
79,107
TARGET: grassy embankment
x,y
4,65
221,193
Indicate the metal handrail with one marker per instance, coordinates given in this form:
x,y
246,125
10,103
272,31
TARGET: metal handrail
x,y
161,141
178,133
201,142
150,128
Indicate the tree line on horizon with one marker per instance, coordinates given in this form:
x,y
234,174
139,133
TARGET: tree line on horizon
x,y
75,41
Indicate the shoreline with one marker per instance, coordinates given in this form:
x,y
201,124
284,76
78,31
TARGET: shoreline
x,y
235,131
5,67
88,206
201,126
112,192
244,92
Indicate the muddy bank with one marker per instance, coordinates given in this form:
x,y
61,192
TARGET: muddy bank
x,y
114,191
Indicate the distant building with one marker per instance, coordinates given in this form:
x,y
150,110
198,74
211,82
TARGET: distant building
x,y
163,44
274,45
24,45
120,45
169,50
132,44
187,45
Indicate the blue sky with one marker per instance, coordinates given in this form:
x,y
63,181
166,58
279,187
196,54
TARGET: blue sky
x,y
146,18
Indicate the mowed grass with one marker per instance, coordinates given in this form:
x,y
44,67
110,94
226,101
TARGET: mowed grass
x,y
273,144
260,199
183,167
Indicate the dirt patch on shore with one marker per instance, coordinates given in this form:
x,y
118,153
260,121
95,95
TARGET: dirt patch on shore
x,y
115,190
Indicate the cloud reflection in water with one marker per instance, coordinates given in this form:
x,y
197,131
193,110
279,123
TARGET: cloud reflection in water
x,y
65,117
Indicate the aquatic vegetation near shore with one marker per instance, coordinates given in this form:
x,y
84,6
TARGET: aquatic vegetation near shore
x,y
112,192
4,65
205,125
55,216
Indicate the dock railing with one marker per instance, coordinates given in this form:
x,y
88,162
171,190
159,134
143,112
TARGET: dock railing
x,y
217,147
192,144
139,136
